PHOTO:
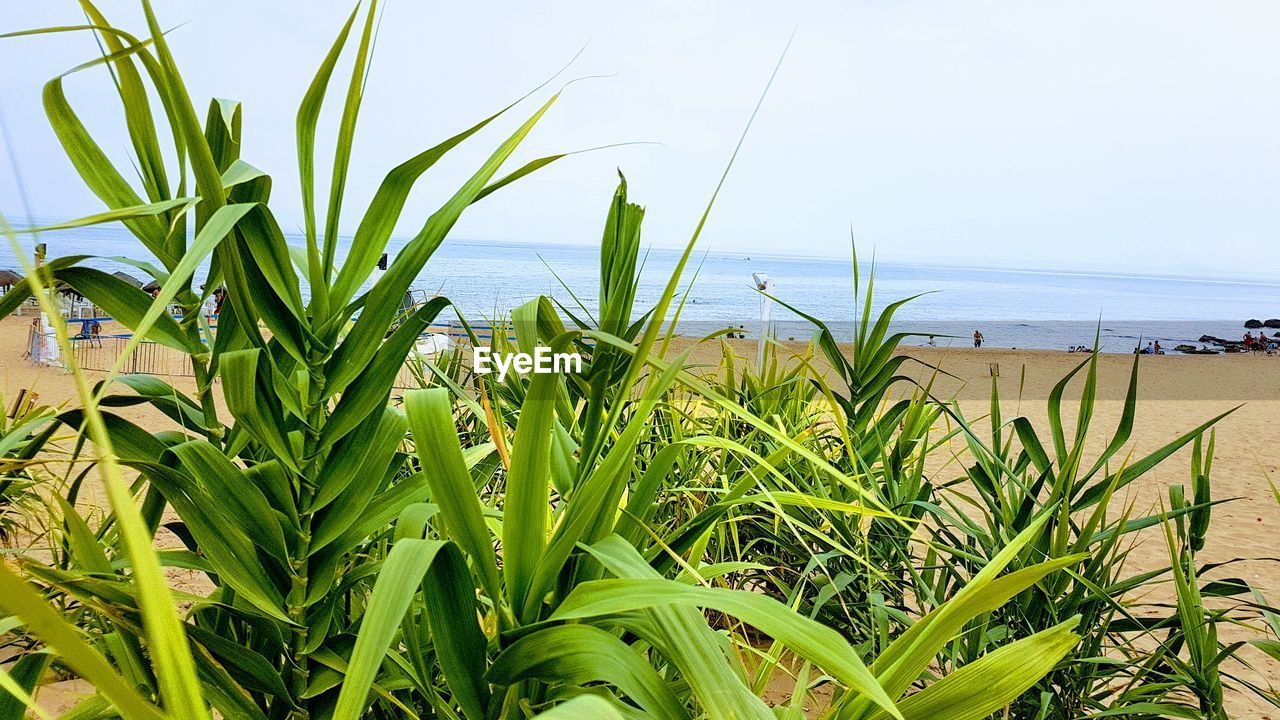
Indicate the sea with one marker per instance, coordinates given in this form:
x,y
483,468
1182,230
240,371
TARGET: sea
x,y
1013,308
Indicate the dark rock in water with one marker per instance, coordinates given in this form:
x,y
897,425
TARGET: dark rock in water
x,y
1184,348
1211,340
1272,323
1253,324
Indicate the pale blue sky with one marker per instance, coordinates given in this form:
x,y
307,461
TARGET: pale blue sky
x,y
1131,136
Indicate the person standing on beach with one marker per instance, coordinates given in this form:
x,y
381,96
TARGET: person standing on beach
x,y
977,338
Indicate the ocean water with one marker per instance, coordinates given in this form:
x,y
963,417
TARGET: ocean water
x,y
1013,308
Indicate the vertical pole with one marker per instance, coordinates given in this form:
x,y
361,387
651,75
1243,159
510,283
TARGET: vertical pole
x,y
48,336
765,286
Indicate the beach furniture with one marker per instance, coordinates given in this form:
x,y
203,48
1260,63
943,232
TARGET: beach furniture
x,y
24,401
433,343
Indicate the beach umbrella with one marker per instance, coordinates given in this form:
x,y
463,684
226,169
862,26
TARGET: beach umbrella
x,y
9,278
151,286
128,278
66,290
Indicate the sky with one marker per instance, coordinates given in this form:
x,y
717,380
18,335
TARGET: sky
x,y
1130,136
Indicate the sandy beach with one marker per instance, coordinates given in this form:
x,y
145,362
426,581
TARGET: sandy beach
x,y
1176,393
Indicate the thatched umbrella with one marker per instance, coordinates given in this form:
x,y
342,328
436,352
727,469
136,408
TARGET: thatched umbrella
x,y
151,286
9,278
128,278
67,291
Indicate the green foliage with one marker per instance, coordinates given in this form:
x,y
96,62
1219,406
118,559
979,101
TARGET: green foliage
x,y
616,542
25,432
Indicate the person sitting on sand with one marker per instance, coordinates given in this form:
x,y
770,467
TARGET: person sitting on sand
x,y
1158,351
932,342
977,339
1149,349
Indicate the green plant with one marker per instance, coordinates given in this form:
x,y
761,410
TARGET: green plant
x,y
267,505
491,550
853,570
1016,475
25,431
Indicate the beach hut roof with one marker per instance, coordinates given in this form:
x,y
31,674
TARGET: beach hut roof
x,y
128,278
64,289
9,277
151,286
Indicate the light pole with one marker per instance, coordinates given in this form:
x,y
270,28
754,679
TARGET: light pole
x,y
48,352
765,286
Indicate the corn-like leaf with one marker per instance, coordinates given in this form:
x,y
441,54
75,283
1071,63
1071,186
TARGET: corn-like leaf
x,y
350,458
580,655
981,688
439,569
125,303
118,215
440,455
348,506
682,635
308,117
373,387
222,539
589,514
525,508
384,210
98,173
18,681
18,598
910,654
814,642
583,706
253,405
342,150
384,299
243,501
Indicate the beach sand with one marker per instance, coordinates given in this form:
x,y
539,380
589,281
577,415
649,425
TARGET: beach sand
x,y
1176,393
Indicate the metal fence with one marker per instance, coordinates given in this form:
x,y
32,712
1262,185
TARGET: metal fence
x,y
100,352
